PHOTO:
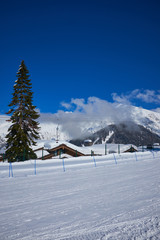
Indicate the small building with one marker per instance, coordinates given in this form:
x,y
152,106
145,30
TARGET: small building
x,y
156,144
131,149
88,142
42,153
149,146
1,158
62,150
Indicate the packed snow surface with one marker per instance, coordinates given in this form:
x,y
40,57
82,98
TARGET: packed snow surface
x,y
97,198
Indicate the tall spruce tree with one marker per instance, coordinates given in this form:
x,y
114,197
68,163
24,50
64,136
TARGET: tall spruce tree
x,y
24,128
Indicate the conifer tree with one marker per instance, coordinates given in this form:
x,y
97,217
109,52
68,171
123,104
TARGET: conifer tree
x,y
23,131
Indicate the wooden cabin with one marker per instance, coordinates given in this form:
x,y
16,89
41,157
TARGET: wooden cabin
x,y
62,149
1,158
131,149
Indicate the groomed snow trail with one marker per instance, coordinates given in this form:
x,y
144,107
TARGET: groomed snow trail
x,y
112,201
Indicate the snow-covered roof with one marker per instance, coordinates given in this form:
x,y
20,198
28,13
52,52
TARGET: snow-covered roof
x,y
39,153
88,140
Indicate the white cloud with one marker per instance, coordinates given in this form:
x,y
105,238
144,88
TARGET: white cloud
x,y
80,114
66,105
146,95
149,96
121,99
92,113
78,102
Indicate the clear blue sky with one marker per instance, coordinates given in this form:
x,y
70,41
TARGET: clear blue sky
x,y
80,48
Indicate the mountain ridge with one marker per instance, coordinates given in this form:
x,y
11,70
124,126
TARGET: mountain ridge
x,y
123,133
69,126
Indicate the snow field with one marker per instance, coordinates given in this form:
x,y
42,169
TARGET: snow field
x,y
110,201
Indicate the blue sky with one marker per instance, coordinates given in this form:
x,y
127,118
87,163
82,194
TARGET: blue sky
x,y
79,49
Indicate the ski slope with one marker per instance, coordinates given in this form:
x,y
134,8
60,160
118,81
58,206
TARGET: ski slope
x,y
108,197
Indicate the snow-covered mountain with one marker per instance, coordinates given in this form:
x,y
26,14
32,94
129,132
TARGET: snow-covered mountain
x,y
72,125
148,119
123,133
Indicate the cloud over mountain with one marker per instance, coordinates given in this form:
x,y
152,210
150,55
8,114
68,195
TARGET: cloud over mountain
x,y
80,116
144,95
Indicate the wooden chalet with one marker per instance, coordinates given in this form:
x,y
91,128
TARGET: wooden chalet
x,y
62,149
1,158
131,149
46,156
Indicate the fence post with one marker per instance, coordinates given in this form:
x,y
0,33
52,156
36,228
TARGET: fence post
x,y
115,158
153,154
118,148
105,149
136,156
94,161
35,167
59,153
10,169
63,165
42,153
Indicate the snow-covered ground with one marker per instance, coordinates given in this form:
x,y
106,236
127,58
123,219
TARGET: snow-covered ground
x,y
102,198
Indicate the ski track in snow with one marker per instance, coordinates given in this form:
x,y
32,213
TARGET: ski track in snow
x,y
107,202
